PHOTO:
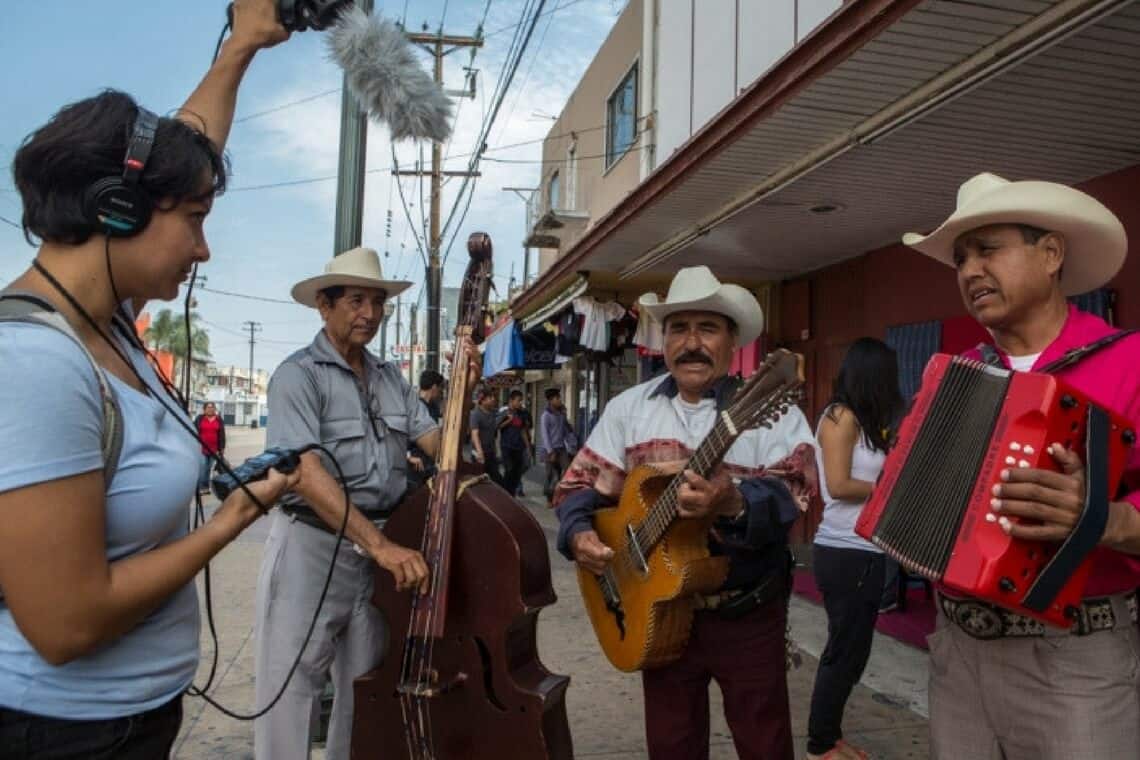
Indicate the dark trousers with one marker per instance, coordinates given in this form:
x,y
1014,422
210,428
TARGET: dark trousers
x,y
747,659
494,471
514,465
145,736
556,462
851,581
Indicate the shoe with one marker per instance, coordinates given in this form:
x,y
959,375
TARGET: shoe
x,y
850,751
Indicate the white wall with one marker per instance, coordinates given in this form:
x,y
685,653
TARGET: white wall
x,y
708,51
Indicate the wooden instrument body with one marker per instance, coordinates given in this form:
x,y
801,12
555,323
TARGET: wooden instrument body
x,y
658,605
507,704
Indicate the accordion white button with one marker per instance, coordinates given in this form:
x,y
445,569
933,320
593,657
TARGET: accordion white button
x,y
1029,451
991,517
1010,460
1015,446
1023,463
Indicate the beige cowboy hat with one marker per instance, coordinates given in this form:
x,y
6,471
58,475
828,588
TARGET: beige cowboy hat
x,y
359,267
697,289
1095,238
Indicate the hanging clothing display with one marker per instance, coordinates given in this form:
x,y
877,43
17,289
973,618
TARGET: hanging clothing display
x,y
504,350
596,318
650,335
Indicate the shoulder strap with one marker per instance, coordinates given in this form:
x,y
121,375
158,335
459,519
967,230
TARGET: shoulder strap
x,y
1074,355
17,306
1071,357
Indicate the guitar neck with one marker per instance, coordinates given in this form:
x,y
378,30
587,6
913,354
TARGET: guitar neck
x,y
703,462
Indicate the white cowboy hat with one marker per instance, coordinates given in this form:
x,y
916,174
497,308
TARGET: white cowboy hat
x,y
359,267
697,289
1095,239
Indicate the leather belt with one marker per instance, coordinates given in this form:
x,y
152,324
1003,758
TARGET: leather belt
x,y
737,603
985,621
310,518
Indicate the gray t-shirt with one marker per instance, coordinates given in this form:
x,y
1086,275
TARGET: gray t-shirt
x,y
486,424
315,397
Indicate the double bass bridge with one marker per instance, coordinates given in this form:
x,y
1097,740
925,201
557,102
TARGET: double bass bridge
x,y
432,687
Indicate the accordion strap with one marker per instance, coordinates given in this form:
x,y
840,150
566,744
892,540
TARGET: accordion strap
x,y
1091,523
1071,357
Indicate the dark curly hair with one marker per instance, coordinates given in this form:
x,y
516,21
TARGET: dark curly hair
x,y
86,141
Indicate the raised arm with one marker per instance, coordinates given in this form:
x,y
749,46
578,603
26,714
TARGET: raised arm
x,y
210,107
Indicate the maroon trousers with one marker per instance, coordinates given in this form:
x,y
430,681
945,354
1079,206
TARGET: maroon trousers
x,y
747,659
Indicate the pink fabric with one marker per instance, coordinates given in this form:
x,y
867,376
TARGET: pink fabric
x,y
1110,378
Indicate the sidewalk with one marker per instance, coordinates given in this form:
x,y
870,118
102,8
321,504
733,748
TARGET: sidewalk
x,y
886,715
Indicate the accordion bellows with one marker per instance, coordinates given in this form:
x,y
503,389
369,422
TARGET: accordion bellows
x,y
931,511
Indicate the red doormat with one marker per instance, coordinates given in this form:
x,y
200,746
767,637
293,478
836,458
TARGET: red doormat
x,y
910,627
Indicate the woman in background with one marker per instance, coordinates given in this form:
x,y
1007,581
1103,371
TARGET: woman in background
x,y
852,441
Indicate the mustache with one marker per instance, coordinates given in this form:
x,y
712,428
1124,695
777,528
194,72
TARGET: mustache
x,y
694,357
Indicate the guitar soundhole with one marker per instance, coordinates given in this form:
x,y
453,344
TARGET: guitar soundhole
x,y
488,680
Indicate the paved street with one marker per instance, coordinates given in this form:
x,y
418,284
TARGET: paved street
x,y
886,714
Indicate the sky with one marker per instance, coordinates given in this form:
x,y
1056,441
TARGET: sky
x,y
274,226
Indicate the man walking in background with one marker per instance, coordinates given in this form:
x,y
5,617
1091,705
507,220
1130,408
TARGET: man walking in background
x,y
557,441
514,442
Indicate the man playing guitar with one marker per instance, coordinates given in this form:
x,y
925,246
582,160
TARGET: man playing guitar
x,y
739,638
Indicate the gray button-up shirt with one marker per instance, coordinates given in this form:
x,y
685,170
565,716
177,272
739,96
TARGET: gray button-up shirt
x,y
315,397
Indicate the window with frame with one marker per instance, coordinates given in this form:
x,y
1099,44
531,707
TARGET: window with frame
x,y
554,192
621,118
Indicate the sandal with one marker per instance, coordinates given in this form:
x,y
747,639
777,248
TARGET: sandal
x,y
851,750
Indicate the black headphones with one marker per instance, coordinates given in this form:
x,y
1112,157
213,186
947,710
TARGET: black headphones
x,y
118,205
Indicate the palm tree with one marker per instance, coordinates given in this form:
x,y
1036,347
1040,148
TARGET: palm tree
x,y
168,333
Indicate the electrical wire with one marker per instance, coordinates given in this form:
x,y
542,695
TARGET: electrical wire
x,y
9,222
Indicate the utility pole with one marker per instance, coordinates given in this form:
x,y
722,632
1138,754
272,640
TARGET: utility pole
x,y
253,327
348,231
398,324
435,45
412,346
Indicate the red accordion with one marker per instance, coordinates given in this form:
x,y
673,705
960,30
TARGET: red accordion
x,y
969,422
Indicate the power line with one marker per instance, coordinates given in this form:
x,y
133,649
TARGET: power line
x,y
8,221
289,104
497,148
246,296
516,26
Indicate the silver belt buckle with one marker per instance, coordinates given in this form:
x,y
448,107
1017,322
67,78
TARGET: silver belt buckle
x,y
979,621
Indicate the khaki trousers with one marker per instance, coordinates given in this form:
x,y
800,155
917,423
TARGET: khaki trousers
x,y
1055,697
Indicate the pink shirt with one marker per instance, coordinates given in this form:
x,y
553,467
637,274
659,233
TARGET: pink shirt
x,y
1108,377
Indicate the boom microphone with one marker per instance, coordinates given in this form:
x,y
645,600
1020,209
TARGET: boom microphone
x,y
384,76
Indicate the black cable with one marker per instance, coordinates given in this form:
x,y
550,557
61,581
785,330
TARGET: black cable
x,y
312,623
179,418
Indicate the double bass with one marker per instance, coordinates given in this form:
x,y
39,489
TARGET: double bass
x,y
462,677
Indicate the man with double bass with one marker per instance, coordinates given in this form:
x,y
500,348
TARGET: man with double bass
x,y
336,393
739,640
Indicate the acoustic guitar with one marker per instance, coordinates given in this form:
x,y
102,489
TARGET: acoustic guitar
x,y
642,606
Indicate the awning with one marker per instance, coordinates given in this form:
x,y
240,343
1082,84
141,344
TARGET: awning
x,y
865,130
557,303
504,351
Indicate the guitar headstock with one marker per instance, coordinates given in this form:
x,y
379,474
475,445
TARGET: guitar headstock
x,y
771,390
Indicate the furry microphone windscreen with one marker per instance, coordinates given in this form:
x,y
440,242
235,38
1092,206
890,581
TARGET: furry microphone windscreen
x,y
386,79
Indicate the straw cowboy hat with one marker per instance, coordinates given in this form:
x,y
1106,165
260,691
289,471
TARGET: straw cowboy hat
x,y
359,267
1095,240
697,289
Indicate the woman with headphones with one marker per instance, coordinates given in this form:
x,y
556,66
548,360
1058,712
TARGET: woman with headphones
x,y
99,617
